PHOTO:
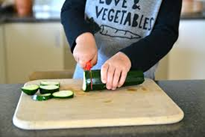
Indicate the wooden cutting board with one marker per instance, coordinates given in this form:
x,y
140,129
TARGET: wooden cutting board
x,y
145,104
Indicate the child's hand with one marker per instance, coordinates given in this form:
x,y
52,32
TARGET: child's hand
x,y
85,50
114,71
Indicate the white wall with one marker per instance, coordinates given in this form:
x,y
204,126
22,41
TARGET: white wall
x,y
187,58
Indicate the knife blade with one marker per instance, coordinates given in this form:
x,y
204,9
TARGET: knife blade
x,y
88,68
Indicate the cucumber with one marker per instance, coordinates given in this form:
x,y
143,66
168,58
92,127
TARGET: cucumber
x,y
63,94
49,89
47,83
42,97
30,89
134,77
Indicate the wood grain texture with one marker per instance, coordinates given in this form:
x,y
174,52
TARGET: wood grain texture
x,y
145,104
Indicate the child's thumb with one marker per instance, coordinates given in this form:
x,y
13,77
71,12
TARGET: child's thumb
x,y
94,60
82,63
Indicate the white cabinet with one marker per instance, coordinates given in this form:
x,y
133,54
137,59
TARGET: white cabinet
x,y
187,58
33,47
2,56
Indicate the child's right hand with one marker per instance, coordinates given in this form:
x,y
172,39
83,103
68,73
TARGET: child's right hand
x,y
85,50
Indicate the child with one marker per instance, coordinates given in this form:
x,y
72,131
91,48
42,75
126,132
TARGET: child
x,y
119,35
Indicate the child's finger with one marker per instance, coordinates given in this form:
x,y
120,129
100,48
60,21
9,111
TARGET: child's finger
x,y
103,72
110,75
122,78
116,79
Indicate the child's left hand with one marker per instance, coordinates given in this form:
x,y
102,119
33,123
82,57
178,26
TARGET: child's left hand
x,y
114,71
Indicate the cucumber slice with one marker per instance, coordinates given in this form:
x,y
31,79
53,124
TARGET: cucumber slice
x,y
63,94
42,97
49,89
30,89
46,83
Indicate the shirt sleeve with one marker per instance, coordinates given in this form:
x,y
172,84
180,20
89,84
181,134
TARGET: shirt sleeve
x,y
148,51
73,20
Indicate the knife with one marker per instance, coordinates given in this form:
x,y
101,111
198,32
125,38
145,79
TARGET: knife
x,y
88,68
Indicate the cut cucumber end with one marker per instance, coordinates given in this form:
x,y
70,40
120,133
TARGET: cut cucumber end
x,y
84,82
63,94
30,89
42,97
49,89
